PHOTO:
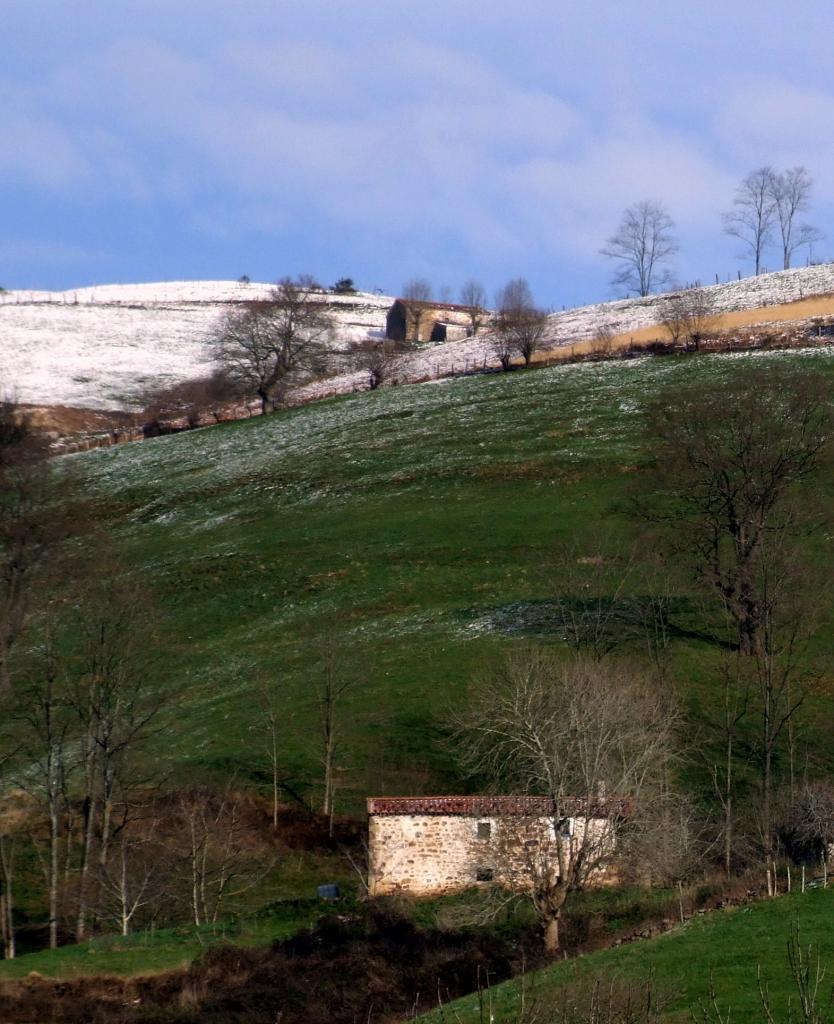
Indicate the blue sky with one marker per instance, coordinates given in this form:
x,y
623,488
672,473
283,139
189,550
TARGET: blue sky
x,y
387,139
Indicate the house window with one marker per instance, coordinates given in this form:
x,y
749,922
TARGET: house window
x,y
484,829
484,874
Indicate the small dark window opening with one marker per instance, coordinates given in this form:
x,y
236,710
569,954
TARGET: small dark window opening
x,y
484,829
484,874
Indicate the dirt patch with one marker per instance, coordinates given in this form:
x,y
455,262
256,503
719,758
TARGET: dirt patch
x,y
62,421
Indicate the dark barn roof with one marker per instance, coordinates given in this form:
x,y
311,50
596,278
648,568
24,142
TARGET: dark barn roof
x,y
430,304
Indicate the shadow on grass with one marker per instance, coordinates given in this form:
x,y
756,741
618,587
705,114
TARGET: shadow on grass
x,y
601,622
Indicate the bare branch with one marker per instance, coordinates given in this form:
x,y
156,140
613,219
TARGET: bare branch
x,y
641,247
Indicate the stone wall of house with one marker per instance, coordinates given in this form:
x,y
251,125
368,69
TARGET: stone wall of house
x,y
411,320
424,854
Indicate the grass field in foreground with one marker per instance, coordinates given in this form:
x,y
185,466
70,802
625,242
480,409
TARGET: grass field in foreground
x,y
726,946
164,949
414,527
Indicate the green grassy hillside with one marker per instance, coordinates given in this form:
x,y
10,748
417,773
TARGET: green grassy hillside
x,y
723,949
164,949
411,530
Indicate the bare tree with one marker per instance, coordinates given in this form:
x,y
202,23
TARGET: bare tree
x,y
128,880
273,717
603,339
688,316
813,819
641,247
730,485
29,525
503,347
212,847
8,837
115,710
791,195
723,770
331,691
7,926
266,344
44,721
776,677
668,846
672,317
377,359
729,464
416,294
519,325
473,295
417,289
572,731
754,209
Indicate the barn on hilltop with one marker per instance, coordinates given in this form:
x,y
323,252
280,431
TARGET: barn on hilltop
x,y
417,321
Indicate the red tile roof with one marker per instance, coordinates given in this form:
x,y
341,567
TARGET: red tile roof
x,y
488,806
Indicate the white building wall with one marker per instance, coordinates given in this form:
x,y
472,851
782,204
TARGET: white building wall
x,y
424,854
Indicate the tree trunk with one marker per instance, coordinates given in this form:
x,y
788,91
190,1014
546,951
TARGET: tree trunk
x,y
767,788
195,875
327,802
7,900
550,934
84,868
728,799
54,843
273,729
125,915
5,679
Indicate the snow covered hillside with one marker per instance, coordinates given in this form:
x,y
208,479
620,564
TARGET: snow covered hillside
x,y
102,348
749,293
573,325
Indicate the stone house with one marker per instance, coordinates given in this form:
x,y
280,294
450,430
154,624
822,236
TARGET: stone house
x,y
435,844
417,321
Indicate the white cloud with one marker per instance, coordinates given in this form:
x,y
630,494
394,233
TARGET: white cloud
x,y
482,129
768,120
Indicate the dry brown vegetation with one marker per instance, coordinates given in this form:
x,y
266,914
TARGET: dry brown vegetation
x,y
373,964
770,319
